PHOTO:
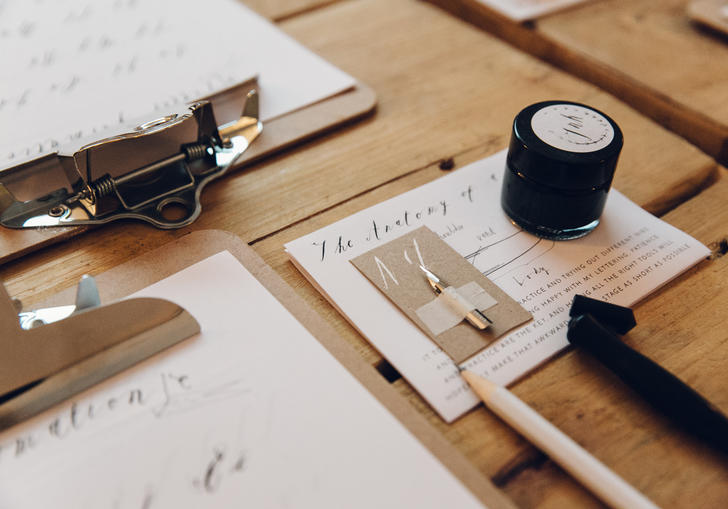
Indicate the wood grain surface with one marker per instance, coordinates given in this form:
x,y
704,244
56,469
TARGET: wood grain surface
x,y
444,89
647,53
447,90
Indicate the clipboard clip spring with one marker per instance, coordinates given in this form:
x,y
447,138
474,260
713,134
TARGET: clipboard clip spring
x,y
108,183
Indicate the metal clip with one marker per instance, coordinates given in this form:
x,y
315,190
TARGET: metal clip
x,y
112,178
87,297
53,353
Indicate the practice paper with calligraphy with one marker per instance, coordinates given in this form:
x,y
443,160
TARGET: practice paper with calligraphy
x,y
395,269
74,68
630,254
253,412
523,10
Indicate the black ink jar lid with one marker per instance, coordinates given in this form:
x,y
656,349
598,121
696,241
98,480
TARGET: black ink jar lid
x,y
560,165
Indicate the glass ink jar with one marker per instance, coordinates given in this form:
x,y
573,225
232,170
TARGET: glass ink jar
x,y
559,168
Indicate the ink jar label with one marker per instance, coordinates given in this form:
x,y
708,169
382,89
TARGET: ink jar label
x,y
572,128
559,168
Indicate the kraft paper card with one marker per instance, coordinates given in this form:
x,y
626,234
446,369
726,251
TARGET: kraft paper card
x,y
395,269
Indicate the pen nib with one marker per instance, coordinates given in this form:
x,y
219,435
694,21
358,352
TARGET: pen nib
x,y
434,281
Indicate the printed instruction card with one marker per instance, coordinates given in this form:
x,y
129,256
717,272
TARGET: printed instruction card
x,y
629,255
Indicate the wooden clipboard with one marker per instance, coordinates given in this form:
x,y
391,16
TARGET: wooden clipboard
x,y
149,268
278,134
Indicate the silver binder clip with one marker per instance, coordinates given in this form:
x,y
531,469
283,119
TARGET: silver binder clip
x,y
153,171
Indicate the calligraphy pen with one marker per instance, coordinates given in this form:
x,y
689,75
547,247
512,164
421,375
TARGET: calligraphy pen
x,y
595,325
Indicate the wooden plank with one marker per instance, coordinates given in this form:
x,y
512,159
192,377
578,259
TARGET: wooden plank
x,y
647,53
450,89
654,46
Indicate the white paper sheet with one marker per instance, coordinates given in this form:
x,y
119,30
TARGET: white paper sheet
x,y
523,10
253,412
72,67
629,255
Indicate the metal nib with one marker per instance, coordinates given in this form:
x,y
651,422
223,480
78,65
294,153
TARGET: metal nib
x,y
436,283
476,318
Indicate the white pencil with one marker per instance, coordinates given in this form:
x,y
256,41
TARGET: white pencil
x,y
605,484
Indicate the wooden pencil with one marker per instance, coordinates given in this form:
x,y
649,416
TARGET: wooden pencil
x,y
593,474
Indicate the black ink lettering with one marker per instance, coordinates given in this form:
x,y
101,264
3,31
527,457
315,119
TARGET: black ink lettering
x,y
56,429
468,193
239,464
212,476
136,395
342,246
322,245
75,419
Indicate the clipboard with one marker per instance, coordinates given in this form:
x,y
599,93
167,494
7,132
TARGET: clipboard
x,y
279,134
163,262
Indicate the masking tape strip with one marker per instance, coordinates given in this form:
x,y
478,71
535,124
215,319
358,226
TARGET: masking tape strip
x,y
451,306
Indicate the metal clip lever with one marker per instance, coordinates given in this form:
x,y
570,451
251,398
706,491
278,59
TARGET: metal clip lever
x,y
87,297
106,184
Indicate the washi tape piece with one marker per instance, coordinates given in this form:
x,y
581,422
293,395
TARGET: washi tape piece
x,y
452,306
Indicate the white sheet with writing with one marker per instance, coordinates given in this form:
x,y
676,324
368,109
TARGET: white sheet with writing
x,y
630,254
522,10
253,412
75,67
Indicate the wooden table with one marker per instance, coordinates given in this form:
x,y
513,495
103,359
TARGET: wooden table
x,y
449,91
647,53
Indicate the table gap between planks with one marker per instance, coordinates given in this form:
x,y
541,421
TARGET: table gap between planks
x,y
647,53
446,90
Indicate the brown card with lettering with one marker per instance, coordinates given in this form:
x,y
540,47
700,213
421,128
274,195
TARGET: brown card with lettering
x,y
395,269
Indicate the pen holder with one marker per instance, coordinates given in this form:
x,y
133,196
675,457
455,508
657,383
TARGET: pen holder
x,y
559,169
